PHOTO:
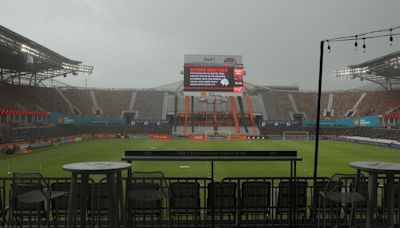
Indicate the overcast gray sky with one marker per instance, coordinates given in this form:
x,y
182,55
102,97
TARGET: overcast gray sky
x,y
141,43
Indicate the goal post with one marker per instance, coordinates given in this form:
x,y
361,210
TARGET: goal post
x,y
226,134
287,135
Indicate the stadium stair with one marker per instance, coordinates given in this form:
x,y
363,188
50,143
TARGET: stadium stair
x,y
250,110
234,114
357,104
71,107
243,115
187,101
132,102
215,122
294,106
165,106
175,111
98,111
262,107
191,111
330,104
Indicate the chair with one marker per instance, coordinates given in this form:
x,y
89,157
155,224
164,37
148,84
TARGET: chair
x,y
361,206
255,200
30,194
60,205
184,200
330,207
145,197
342,190
221,201
285,202
98,203
3,209
396,202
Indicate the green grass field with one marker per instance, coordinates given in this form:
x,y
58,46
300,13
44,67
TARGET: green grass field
x,y
334,157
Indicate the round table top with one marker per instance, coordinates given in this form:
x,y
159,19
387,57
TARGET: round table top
x,y
96,167
376,167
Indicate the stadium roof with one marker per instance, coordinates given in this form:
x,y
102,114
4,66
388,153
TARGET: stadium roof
x,y
384,71
28,62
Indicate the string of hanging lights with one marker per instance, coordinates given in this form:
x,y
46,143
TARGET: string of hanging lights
x,y
390,32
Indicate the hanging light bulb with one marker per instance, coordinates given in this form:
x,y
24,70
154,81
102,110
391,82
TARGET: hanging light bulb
x,y
329,48
356,44
364,46
391,38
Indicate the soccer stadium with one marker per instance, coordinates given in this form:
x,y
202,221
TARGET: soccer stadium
x,y
210,149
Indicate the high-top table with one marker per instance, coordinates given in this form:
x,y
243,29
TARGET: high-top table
x,y
110,169
373,169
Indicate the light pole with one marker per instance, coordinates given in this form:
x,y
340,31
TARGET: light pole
x,y
315,174
368,35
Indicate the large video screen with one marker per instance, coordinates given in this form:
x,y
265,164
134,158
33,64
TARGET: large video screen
x,y
213,79
213,75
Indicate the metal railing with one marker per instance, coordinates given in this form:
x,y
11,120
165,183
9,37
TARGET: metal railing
x,y
233,202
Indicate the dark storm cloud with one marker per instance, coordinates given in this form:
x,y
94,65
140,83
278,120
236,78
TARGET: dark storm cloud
x,y
141,43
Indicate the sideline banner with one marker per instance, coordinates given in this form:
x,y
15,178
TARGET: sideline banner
x,y
239,137
105,136
180,137
277,123
363,121
142,122
59,118
159,136
138,136
149,136
216,137
196,137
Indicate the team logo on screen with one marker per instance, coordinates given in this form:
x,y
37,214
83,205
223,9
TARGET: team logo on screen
x,y
224,82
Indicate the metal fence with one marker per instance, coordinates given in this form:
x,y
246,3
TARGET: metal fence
x,y
200,202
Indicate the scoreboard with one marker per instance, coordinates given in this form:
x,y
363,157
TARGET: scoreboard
x,y
206,75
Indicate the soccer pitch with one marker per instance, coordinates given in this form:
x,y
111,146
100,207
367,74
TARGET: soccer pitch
x,y
334,157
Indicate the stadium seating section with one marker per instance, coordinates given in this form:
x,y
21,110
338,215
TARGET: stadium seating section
x,y
149,104
277,104
113,102
155,105
16,134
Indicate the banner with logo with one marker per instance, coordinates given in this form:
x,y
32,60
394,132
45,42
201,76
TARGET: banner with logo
x,y
239,137
58,118
149,122
160,136
364,121
196,137
278,123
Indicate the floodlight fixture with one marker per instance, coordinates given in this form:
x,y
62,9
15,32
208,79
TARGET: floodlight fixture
x,y
353,71
30,51
77,68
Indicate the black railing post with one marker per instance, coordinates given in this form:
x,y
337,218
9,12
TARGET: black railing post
x,y
315,194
